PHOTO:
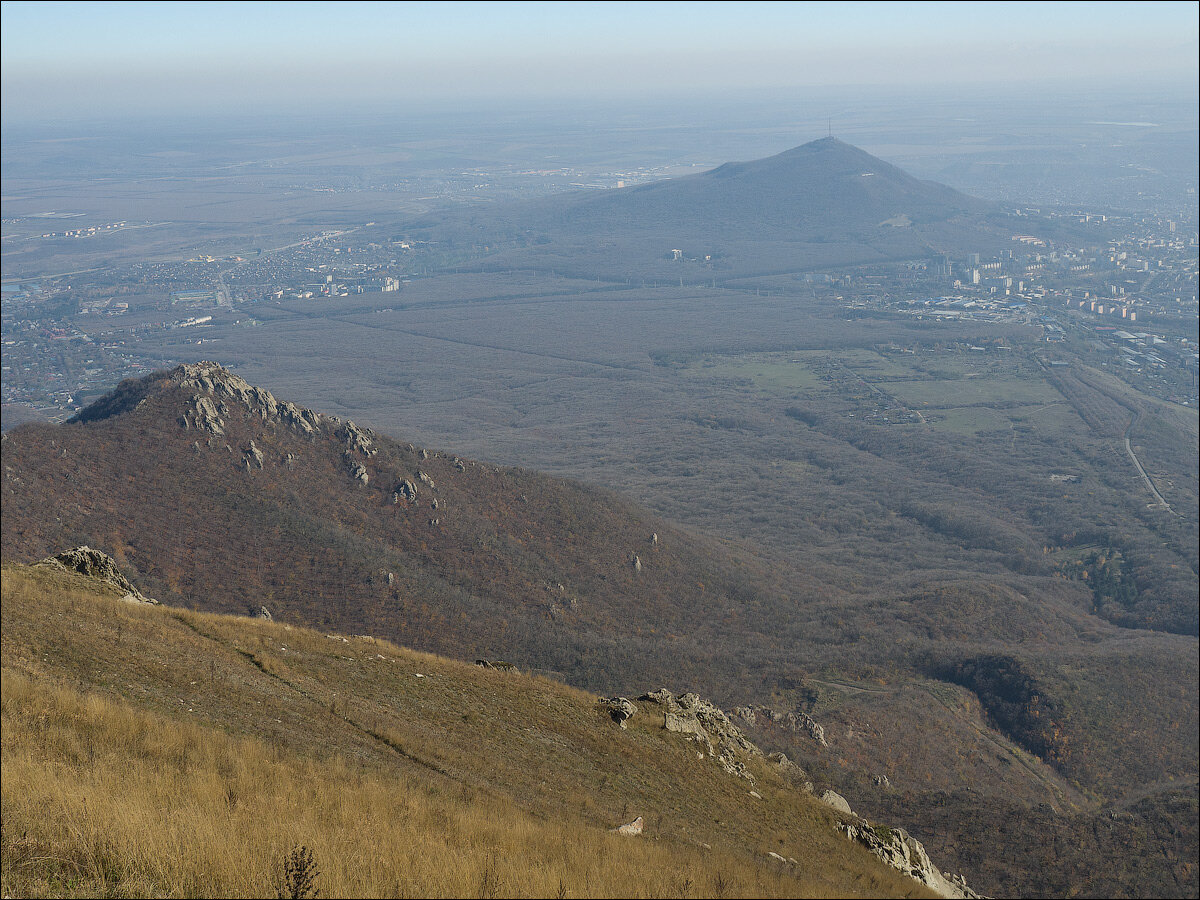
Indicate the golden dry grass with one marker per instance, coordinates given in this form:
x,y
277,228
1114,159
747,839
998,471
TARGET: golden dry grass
x,y
117,782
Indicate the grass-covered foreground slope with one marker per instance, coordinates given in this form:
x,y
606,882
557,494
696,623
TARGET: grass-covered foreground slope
x,y
156,752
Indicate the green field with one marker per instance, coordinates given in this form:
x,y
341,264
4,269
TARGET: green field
x,y
945,394
969,420
769,373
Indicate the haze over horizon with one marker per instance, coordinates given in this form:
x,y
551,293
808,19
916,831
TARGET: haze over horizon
x,y
62,60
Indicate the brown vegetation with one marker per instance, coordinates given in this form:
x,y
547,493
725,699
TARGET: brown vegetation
x,y
156,752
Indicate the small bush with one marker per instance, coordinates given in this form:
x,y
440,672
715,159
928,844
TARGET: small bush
x,y
298,878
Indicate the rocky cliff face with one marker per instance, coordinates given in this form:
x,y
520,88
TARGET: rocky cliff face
x,y
905,853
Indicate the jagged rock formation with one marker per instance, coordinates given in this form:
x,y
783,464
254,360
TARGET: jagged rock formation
x,y
217,387
404,490
98,565
798,723
620,708
252,457
903,852
708,726
358,440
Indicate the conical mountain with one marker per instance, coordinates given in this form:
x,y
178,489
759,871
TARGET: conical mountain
x,y
825,203
822,184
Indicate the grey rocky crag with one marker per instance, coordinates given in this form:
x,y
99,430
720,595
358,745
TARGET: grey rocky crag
x,y
708,726
797,723
216,388
905,853
360,442
404,490
252,457
621,709
96,565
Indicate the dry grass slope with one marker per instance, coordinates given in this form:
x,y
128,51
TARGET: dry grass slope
x,y
154,752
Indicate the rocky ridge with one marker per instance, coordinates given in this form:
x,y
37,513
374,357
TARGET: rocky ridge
x,y
720,739
214,394
217,387
797,723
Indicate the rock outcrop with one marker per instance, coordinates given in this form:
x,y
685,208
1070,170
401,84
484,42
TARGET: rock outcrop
x,y
496,665
708,726
358,440
837,801
632,829
620,708
905,853
97,565
252,457
790,770
797,723
202,416
217,387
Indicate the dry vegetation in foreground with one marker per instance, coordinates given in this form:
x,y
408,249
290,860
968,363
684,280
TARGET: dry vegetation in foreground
x,y
150,794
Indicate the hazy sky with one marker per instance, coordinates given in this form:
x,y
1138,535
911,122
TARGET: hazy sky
x,y
119,58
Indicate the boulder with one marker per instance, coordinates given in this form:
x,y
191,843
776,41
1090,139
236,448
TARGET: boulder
x,y
837,801
252,457
632,829
620,708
